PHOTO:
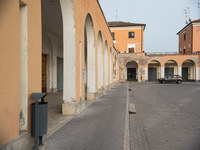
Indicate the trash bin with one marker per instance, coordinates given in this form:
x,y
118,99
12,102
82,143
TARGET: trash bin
x,y
39,118
42,118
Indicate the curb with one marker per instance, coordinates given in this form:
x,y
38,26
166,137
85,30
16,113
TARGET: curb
x,y
126,130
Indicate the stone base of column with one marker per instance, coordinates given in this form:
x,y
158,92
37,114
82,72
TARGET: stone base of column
x,y
110,86
72,109
54,90
115,82
106,88
100,90
123,80
91,96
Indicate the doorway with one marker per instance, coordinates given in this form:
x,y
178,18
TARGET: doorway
x,y
131,74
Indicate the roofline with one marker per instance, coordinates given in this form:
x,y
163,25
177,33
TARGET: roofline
x,y
136,24
191,23
184,28
104,17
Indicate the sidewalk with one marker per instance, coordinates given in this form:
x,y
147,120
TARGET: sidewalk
x,y
99,127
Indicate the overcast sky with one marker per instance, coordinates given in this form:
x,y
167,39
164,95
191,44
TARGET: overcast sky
x,y
163,19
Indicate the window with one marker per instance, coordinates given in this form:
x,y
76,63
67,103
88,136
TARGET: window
x,y
113,35
184,51
131,50
184,37
131,34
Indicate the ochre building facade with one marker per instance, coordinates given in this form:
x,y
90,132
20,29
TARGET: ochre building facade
x,y
48,46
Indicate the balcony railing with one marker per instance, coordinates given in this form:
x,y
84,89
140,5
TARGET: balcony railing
x,y
161,53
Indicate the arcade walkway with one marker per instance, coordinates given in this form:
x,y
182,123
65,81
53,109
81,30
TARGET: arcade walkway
x,y
99,127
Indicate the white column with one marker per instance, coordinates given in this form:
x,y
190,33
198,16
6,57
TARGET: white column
x,y
69,52
180,71
146,74
197,74
80,52
125,74
23,69
162,72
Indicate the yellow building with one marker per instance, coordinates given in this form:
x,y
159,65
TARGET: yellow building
x,y
128,37
50,46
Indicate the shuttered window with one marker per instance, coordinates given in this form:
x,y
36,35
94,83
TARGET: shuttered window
x,y
131,34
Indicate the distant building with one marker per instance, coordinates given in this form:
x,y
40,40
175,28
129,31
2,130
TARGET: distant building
x,y
189,38
128,37
136,65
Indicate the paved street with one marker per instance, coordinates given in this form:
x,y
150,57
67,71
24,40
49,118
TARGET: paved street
x,y
99,127
168,116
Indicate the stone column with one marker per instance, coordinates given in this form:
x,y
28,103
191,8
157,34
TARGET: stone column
x,y
197,74
162,72
146,74
180,71
69,56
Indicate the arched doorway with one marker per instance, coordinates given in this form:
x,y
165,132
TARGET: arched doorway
x,y
58,24
171,68
52,37
154,70
100,62
90,63
188,70
132,71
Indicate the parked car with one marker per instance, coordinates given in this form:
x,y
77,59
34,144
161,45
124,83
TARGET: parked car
x,y
173,78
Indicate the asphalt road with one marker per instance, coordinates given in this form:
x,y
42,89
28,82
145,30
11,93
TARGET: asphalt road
x,y
167,118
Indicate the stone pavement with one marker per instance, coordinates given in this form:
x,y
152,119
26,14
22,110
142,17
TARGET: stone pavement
x,y
99,127
167,118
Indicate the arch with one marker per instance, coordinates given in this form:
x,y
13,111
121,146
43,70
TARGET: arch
x,y
188,70
171,67
132,71
100,60
111,64
154,70
106,63
90,63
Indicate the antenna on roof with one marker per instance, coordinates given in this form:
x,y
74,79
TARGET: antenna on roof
x,y
198,9
189,15
116,15
186,15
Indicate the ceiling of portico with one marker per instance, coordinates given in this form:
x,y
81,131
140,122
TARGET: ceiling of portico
x,y
52,17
